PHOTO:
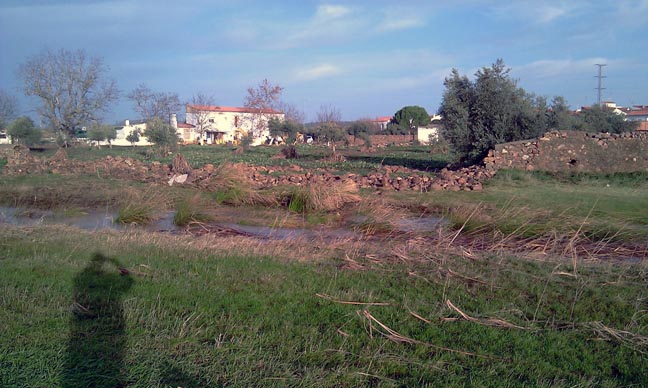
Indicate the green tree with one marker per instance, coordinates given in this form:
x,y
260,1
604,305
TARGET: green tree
x,y
8,109
561,118
102,132
488,111
162,134
287,129
133,137
597,119
23,131
408,119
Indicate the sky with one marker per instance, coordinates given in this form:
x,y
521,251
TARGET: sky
x,y
366,58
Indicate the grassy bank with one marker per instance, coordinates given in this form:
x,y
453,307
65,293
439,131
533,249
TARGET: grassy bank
x,y
193,314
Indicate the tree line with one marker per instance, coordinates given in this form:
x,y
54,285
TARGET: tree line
x,y
75,92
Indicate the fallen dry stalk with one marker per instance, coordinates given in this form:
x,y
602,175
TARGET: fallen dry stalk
x,y
495,322
328,297
393,335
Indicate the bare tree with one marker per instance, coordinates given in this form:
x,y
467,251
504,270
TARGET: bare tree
x,y
8,108
328,114
292,113
71,87
264,101
197,116
150,104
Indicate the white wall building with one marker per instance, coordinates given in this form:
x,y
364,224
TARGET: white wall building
x,y
223,124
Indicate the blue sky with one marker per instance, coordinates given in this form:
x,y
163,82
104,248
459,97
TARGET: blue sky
x,y
367,58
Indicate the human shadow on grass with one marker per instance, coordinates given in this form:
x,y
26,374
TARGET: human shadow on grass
x,y
97,342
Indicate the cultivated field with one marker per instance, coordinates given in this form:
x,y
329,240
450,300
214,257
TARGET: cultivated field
x,y
536,280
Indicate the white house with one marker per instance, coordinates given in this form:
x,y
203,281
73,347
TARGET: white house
x,y
225,124
126,130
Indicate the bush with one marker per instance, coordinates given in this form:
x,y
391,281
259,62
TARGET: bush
x,y
162,134
488,111
23,131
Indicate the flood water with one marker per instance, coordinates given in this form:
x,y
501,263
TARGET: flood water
x,y
97,219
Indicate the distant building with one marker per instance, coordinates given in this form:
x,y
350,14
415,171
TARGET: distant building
x,y
224,124
381,122
639,113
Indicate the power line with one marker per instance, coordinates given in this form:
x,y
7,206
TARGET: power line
x,y
600,79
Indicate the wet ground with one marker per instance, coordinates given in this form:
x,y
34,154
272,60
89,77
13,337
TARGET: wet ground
x,y
96,219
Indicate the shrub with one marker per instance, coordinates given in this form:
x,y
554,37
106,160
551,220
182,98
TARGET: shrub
x,y
23,131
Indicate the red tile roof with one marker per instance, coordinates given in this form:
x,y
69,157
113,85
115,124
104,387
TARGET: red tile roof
x,y
638,112
382,119
224,109
185,125
643,126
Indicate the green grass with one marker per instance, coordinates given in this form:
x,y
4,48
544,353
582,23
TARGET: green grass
x,y
210,317
601,206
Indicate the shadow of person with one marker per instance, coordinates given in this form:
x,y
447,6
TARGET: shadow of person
x,y
97,342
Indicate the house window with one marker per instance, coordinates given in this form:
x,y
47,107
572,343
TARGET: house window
x,y
236,121
211,120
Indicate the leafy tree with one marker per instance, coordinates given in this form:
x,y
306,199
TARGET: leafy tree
x,y
491,110
71,87
561,118
287,129
150,104
8,108
23,131
597,119
361,129
133,137
162,134
264,101
408,118
102,132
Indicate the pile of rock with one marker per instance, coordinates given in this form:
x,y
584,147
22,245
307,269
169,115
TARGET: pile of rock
x,y
385,178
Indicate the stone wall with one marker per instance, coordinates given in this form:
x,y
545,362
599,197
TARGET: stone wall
x,y
574,151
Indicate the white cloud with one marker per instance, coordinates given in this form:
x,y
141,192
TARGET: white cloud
x,y
327,12
317,72
392,24
538,12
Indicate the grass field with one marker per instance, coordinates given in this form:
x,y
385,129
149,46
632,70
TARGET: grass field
x,y
389,309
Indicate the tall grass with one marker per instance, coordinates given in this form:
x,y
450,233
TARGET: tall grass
x,y
190,209
141,208
323,197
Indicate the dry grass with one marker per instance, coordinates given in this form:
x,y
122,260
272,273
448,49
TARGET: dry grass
x,y
142,208
323,197
234,187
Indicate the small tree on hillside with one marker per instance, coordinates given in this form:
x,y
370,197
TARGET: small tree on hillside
x,y
162,134
23,131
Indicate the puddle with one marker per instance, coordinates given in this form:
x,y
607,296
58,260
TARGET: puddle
x,y
292,233
89,220
95,220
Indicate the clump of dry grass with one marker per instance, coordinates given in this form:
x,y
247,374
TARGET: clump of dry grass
x,y
377,217
142,208
191,209
323,197
233,187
